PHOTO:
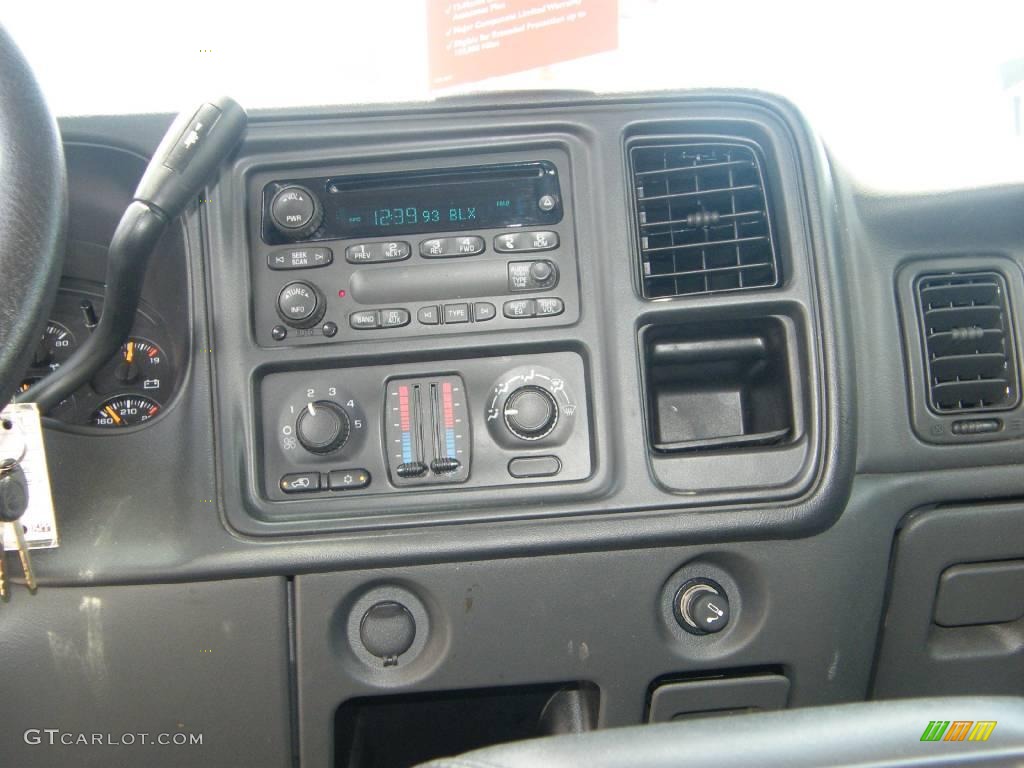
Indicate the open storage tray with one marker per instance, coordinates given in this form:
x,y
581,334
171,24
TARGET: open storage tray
x,y
717,386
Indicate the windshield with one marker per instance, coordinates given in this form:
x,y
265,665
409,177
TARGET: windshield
x,y
911,95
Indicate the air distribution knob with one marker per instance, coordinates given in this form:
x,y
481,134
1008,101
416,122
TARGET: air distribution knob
x,y
531,413
296,212
322,427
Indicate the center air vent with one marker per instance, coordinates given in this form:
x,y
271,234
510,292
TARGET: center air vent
x,y
702,216
965,322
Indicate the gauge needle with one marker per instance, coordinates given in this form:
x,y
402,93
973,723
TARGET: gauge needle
x,y
113,414
129,352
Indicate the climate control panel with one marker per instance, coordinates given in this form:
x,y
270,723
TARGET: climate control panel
x,y
457,424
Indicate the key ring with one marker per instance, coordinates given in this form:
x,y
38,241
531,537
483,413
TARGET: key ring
x,y
9,426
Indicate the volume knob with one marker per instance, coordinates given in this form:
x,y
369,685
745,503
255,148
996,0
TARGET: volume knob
x,y
296,212
531,413
322,427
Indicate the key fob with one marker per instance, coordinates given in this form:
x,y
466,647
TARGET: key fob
x,y
13,494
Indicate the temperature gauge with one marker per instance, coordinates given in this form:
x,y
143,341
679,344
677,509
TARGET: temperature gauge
x,y
125,411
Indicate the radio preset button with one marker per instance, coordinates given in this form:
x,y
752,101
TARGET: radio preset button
x,y
519,308
542,241
514,242
549,307
469,246
449,247
428,315
483,311
434,249
394,318
300,258
456,313
368,253
509,243
364,320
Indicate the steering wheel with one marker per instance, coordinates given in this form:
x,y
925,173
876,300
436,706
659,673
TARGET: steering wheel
x,y
33,214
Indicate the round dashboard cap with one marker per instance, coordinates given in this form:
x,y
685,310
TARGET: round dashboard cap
x,y
387,630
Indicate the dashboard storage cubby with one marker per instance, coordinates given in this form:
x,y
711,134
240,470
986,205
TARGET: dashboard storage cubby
x,y
406,730
717,386
730,402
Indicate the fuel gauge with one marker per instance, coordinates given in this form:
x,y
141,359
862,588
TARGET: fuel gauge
x,y
139,365
55,346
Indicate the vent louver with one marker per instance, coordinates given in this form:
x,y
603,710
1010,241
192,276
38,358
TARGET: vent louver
x,y
968,342
703,221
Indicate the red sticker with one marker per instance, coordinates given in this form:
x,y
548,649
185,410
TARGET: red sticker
x,y
475,40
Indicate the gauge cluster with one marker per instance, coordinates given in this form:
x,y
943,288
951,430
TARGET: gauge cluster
x,y
130,389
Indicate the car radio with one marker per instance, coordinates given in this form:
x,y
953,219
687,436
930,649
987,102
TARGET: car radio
x,y
340,255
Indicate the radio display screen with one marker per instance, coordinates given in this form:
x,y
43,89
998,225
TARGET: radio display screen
x,y
392,204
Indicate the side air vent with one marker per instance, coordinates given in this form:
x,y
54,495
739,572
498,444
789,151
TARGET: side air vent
x,y
968,342
702,219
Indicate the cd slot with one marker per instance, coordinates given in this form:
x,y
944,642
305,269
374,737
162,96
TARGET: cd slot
x,y
460,280
433,177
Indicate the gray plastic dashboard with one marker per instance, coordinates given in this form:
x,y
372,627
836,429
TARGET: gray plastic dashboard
x,y
211,487
577,571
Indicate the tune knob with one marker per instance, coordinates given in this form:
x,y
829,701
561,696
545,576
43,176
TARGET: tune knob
x,y
296,212
531,413
300,304
322,427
